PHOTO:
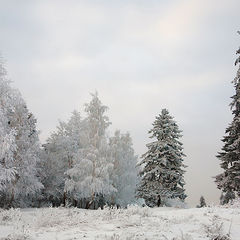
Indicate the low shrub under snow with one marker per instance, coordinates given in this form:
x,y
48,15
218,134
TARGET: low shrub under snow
x,y
133,223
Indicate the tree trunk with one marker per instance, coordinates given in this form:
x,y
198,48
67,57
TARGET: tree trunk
x,y
159,201
64,199
11,199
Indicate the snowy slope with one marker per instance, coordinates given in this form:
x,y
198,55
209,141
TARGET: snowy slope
x,y
120,224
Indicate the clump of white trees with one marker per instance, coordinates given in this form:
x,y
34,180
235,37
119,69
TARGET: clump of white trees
x,y
80,165
20,183
86,168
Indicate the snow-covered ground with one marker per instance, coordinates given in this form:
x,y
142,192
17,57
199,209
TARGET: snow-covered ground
x,y
118,224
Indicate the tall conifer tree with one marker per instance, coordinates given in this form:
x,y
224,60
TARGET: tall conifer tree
x,y
162,174
229,180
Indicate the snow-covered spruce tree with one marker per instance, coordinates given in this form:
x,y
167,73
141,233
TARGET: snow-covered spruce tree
x,y
88,179
162,173
60,148
229,180
202,202
227,197
124,174
19,148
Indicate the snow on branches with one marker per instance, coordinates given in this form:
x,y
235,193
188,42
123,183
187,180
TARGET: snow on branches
x,y
162,173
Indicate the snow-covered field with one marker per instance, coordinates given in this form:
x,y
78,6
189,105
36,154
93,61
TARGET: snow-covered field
x,y
117,224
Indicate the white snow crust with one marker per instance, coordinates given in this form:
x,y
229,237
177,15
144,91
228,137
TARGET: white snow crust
x,y
135,222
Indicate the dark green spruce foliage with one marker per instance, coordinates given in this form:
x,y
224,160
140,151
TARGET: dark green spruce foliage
x,y
162,165
202,202
229,180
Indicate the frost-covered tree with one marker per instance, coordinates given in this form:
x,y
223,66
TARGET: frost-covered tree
x,y
229,180
19,148
227,197
124,174
162,173
60,149
8,172
88,178
27,154
202,202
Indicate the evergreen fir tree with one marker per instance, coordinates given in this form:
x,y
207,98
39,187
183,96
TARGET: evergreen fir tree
x,y
227,197
229,180
202,202
162,174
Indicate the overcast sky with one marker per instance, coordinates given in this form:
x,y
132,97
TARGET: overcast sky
x,y
141,56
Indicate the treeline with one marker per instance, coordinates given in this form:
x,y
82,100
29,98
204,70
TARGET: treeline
x,y
229,181
79,165
86,168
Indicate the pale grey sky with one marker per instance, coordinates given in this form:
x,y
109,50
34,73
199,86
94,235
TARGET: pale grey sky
x,y
141,56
